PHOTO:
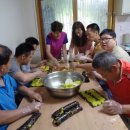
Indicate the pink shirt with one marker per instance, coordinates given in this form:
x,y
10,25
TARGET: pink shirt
x,y
56,44
84,48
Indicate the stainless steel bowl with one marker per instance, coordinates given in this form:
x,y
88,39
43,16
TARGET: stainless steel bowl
x,y
54,83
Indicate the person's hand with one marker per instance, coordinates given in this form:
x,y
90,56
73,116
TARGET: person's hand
x,y
39,73
112,107
42,63
65,59
79,56
35,106
91,74
83,58
76,57
97,75
56,62
35,96
43,74
89,59
32,107
73,65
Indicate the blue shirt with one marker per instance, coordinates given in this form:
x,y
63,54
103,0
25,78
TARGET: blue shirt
x,y
7,97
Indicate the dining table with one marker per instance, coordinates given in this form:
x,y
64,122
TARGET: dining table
x,y
90,118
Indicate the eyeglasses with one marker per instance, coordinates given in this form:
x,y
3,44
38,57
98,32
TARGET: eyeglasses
x,y
104,39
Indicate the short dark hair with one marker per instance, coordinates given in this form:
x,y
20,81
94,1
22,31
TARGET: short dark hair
x,y
23,48
5,54
94,27
32,41
56,26
109,32
104,60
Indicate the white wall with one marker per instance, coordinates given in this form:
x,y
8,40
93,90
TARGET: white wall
x,y
122,26
17,22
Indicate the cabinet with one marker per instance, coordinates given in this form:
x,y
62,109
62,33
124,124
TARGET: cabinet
x,y
123,7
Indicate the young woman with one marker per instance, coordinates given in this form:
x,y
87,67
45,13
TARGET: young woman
x,y
56,42
79,42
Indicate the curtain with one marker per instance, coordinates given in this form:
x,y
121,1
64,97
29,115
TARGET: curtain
x,y
60,10
88,11
93,11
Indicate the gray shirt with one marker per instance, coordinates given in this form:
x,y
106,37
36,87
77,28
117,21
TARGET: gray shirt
x,y
26,68
120,53
15,68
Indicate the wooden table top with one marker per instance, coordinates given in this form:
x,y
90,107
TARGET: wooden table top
x,y
88,119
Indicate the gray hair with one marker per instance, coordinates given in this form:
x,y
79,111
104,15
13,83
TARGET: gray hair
x,y
104,60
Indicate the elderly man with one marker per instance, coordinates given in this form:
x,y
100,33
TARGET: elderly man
x,y
117,74
8,108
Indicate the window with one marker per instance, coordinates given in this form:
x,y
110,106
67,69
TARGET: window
x,y
60,10
87,11
93,11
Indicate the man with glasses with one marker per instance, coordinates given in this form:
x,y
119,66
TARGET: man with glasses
x,y
108,43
